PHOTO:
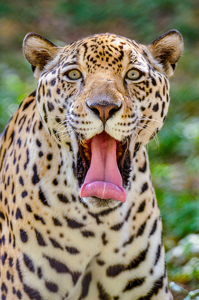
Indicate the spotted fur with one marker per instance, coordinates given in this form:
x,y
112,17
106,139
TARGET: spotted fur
x,y
53,244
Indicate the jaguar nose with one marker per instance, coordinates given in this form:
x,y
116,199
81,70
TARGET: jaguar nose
x,y
104,109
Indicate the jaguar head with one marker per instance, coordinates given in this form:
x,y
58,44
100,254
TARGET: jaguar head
x,y
104,96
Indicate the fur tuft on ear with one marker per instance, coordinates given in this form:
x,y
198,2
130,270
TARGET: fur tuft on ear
x,y
38,51
167,49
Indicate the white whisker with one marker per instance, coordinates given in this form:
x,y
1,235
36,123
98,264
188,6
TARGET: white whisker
x,y
148,119
137,135
155,137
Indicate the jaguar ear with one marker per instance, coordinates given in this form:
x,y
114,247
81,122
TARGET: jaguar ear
x,y
38,51
167,49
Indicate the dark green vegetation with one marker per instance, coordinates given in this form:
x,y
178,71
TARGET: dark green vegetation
x,y
175,156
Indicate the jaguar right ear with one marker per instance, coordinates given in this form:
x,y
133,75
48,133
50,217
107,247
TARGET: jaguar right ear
x,y
167,49
38,51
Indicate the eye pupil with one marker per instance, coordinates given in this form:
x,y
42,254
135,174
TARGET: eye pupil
x,y
133,74
74,74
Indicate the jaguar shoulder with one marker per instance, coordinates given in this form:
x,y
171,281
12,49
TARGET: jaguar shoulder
x,y
78,213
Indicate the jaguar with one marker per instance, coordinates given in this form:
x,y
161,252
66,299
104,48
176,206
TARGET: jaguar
x,y
79,217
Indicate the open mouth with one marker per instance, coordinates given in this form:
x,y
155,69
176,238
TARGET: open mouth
x,y
103,168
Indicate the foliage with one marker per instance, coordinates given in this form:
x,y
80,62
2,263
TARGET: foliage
x,y
179,291
13,89
183,260
175,172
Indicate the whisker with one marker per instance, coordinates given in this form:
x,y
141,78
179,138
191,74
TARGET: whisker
x,y
155,137
137,135
148,119
62,122
63,115
145,126
61,128
67,134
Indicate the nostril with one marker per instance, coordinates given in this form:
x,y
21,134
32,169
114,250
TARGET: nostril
x,y
104,109
95,110
114,110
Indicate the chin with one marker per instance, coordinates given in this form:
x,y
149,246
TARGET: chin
x,y
97,202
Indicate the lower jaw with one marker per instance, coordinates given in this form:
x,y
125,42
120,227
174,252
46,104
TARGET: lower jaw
x,y
100,203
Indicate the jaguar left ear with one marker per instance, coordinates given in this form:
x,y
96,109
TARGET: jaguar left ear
x,y
38,51
167,49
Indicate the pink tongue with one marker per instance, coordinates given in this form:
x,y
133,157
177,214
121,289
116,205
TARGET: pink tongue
x,y
103,179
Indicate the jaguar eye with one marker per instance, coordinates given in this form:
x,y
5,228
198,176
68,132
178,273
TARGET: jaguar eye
x,y
133,74
74,74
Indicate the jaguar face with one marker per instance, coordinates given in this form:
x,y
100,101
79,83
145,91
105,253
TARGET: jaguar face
x,y
104,97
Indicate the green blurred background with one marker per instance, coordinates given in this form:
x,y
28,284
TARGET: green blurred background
x,y
175,156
